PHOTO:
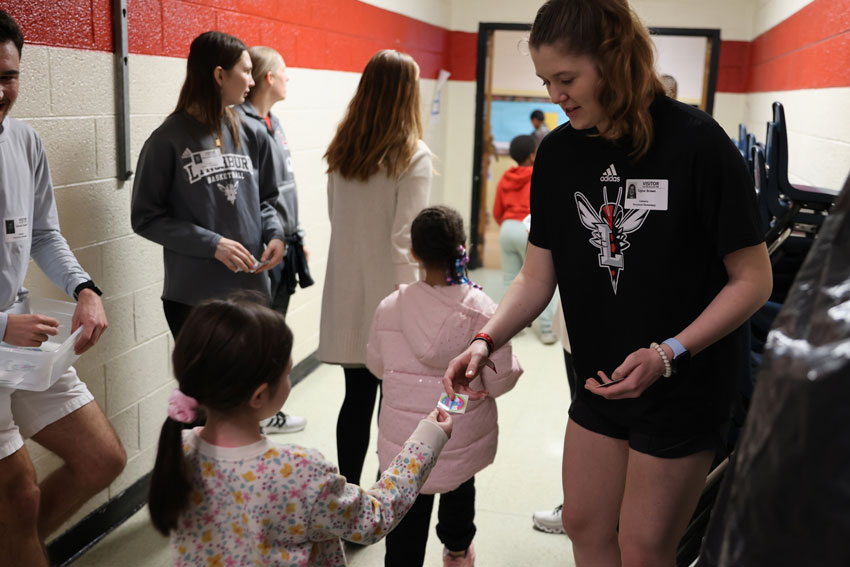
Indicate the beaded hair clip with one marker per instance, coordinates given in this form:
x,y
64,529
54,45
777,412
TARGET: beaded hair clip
x,y
459,276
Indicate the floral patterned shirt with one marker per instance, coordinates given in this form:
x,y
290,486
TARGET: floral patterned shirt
x,y
285,505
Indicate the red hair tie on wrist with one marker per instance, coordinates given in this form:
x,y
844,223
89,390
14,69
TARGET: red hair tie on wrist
x,y
491,346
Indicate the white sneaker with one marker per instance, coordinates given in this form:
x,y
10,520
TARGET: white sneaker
x,y
548,338
549,521
283,423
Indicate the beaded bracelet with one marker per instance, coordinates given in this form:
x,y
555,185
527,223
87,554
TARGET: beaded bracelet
x,y
668,370
491,346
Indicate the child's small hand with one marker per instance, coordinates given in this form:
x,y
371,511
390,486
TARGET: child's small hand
x,y
442,419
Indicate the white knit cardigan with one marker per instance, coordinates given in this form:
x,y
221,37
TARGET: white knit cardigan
x,y
369,253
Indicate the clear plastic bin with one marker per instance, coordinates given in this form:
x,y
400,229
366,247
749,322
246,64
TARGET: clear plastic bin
x,y
37,369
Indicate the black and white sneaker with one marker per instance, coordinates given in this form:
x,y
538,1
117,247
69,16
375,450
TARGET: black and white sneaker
x,y
283,423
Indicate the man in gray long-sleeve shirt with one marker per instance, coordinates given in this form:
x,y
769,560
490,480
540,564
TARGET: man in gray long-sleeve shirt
x,y
61,418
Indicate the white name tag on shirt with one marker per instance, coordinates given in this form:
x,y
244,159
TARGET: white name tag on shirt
x,y
650,194
16,229
209,159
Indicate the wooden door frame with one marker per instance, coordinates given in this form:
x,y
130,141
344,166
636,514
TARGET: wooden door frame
x,y
484,32
713,63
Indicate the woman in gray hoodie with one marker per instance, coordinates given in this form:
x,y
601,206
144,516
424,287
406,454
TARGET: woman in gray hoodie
x,y
205,189
270,79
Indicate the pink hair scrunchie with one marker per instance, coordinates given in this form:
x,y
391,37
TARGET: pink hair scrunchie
x,y
182,407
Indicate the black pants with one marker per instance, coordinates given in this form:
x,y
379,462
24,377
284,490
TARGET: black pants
x,y
455,526
176,314
355,421
280,292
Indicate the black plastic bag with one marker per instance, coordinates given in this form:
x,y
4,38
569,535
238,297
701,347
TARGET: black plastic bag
x,y
785,499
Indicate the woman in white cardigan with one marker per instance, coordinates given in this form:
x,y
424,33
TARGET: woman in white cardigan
x,y
379,178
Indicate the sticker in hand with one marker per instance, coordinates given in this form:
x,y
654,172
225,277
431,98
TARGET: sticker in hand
x,y
458,405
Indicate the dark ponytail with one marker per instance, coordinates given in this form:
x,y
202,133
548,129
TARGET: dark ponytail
x,y
437,238
170,480
228,349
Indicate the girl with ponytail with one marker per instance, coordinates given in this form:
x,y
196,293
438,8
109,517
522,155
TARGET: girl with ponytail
x,y
226,491
416,331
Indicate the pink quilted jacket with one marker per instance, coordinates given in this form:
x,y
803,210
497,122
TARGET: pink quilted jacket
x,y
416,331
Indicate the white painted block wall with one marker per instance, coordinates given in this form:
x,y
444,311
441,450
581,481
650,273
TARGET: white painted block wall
x,y
67,96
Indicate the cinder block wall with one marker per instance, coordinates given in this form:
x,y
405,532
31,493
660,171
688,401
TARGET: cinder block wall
x,y
801,57
67,94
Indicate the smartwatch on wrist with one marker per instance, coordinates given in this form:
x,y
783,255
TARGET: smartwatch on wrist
x,y
681,355
86,285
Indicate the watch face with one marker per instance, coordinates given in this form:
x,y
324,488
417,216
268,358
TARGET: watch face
x,y
86,285
682,362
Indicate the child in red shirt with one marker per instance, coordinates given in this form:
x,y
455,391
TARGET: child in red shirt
x,y
510,209
514,189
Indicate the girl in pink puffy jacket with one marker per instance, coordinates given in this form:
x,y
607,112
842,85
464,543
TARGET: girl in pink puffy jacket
x,y
416,331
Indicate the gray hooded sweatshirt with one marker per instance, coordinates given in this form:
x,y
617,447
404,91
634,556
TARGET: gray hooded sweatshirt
x,y
287,204
189,193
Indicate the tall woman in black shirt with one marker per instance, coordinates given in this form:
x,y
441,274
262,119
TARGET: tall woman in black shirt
x,y
655,287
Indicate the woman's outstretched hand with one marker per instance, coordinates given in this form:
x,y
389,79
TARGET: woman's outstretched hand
x,y
463,369
637,373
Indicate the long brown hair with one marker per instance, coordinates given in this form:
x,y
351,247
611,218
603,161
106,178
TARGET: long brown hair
x,y
229,348
200,91
611,34
383,125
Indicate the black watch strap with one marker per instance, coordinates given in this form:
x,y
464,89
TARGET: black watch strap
x,y
681,362
86,285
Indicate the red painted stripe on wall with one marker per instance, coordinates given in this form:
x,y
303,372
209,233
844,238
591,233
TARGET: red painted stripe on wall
x,y
732,66
810,49
340,35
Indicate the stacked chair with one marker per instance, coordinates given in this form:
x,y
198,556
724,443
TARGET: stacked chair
x,y
791,216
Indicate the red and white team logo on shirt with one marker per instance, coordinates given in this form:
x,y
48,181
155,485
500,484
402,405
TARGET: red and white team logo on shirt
x,y
609,229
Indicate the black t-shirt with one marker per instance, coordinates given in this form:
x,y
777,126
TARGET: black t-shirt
x,y
639,264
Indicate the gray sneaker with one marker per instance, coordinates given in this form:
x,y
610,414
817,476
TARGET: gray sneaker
x,y
283,423
549,521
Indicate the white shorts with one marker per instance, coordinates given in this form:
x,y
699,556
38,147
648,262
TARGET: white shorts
x,y
24,413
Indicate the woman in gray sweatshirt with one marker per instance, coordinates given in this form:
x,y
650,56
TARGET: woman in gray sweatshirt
x,y
205,186
270,78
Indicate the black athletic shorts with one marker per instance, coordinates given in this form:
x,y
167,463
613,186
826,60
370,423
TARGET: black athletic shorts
x,y
662,446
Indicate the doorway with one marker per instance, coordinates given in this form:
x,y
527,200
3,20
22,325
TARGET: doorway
x,y
507,91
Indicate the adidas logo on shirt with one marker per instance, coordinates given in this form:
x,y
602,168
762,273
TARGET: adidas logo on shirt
x,y
610,174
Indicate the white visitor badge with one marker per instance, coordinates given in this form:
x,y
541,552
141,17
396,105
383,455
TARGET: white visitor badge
x,y
15,229
649,194
209,158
